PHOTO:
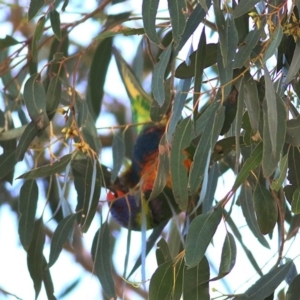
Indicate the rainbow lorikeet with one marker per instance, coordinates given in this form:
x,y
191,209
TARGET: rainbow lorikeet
x,y
127,208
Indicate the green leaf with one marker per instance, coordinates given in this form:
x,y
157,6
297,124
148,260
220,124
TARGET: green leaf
x,y
39,29
163,252
87,124
88,182
246,201
162,169
274,130
162,281
237,234
34,7
184,71
196,281
192,24
177,10
149,11
293,292
246,47
228,256
243,7
200,234
296,201
158,77
118,152
27,209
140,100
178,170
277,183
53,96
265,208
276,38
264,286
252,101
7,42
27,137
7,162
97,75
295,64
204,148
35,258
250,164
55,23
158,112
60,236
199,67
35,100
101,254
48,284
292,132
47,170
179,101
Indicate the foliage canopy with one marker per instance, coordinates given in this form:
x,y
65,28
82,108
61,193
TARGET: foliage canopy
x,y
233,98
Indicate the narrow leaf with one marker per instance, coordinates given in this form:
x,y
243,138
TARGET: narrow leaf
x,y
243,7
243,55
228,255
101,254
200,234
264,286
161,282
246,201
277,183
252,101
237,234
7,162
292,132
60,236
7,42
53,96
265,208
192,23
27,137
55,23
34,7
35,258
178,18
296,201
27,208
276,38
163,252
179,101
196,281
178,170
204,148
162,169
250,164
34,96
118,152
293,292
36,37
140,100
97,75
158,79
149,11
47,170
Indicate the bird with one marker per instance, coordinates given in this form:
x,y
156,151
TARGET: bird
x,y
130,203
